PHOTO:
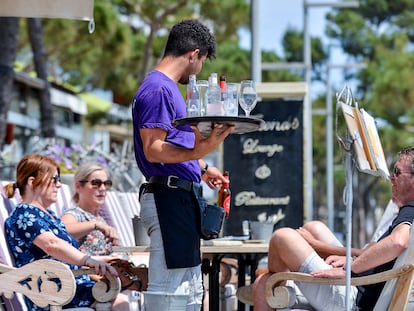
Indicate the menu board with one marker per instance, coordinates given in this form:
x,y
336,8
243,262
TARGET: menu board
x,y
266,168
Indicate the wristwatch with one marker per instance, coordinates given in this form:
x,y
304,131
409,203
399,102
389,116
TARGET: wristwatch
x,y
204,170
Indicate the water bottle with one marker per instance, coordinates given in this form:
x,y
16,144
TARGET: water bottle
x,y
213,97
193,98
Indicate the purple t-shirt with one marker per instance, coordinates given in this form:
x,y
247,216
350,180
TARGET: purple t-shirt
x,y
156,104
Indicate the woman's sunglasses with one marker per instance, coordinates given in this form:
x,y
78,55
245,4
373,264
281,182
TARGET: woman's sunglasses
x,y
98,182
56,179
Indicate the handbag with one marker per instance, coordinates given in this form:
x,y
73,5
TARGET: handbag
x,y
132,277
211,216
211,221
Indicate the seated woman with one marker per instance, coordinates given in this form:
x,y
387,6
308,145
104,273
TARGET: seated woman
x,y
94,235
83,221
34,232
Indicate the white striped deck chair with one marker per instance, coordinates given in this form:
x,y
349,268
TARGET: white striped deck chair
x,y
118,211
64,200
385,222
17,302
130,200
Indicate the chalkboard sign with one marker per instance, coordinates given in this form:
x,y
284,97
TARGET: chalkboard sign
x,y
266,168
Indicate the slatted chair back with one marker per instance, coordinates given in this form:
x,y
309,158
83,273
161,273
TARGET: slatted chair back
x,y
15,303
120,211
64,200
397,292
388,216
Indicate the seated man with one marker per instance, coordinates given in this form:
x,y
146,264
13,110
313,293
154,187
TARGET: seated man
x,y
310,250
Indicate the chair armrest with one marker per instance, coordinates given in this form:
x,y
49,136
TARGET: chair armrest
x,y
277,296
105,289
45,282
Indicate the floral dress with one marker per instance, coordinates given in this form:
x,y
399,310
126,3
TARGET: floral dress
x,y
24,224
95,242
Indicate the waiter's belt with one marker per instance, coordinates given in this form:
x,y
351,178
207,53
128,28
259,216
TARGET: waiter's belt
x,y
172,182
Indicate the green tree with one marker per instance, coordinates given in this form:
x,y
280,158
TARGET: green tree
x,y
9,29
128,40
34,30
379,33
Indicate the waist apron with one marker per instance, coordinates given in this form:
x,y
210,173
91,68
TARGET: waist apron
x,y
179,218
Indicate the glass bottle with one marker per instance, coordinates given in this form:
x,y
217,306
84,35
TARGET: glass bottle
x,y
213,97
223,88
224,194
193,98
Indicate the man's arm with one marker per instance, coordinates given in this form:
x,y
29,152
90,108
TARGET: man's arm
x,y
157,150
384,250
377,254
325,249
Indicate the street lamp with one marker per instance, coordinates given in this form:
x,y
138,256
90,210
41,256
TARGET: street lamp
x,y
307,122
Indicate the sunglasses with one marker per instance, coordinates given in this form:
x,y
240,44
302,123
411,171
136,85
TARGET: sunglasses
x,y
56,179
397,172
98,182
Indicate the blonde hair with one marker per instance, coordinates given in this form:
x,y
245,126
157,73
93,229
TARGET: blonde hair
x,y
83,172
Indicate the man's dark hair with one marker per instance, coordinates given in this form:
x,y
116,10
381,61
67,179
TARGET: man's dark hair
x,y
408,151
189,35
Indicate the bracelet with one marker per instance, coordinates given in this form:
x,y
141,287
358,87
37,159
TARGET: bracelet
x,y
85,260
96,227
204,170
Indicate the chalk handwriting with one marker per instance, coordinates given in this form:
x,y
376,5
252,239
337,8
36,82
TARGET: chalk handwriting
x,y
249,198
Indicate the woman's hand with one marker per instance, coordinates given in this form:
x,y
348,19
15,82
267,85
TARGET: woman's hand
x,y
108,230
100,266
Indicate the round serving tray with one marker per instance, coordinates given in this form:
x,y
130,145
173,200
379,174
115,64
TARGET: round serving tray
x,y
206,123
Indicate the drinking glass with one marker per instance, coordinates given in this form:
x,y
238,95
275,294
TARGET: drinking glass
x,y
247,96
230,105
202,87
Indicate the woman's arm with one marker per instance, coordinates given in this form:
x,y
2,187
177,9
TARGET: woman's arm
x,y
79,229
63,251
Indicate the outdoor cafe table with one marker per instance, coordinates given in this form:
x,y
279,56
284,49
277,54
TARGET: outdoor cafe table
x,y
248,255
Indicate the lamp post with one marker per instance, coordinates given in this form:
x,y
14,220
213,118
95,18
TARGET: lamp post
x,y
307,122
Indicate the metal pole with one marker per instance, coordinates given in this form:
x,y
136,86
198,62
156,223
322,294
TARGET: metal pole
x,y
348,202
329,141
256,58
329,152
307,120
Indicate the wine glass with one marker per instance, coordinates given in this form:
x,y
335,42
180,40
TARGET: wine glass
x,y
247,96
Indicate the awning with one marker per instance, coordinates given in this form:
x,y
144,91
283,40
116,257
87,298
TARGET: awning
x,y
66,100
73,9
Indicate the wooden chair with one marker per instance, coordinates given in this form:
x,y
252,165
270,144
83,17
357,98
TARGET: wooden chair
x,y
394,297
49,283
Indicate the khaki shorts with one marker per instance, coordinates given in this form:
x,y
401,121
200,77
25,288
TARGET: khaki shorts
x,y
321,297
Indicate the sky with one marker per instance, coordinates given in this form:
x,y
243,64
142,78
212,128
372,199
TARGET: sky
x,y
276,16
